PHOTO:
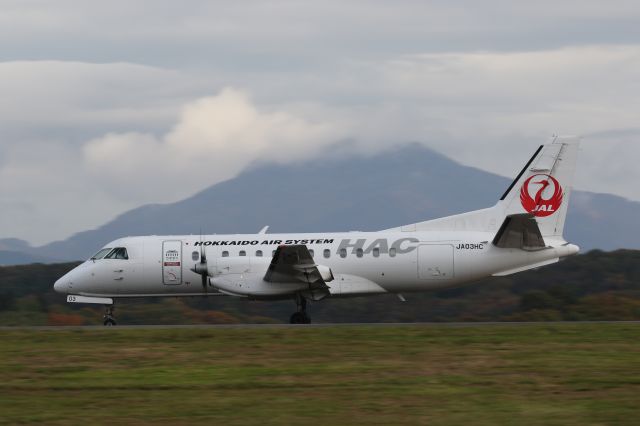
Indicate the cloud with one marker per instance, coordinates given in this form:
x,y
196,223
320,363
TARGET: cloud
x,y
111,134
489,109
101,99
108,133
51,188
207,31
45,195
214,138
77,99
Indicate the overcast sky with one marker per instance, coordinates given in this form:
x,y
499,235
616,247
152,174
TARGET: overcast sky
x,y
105,106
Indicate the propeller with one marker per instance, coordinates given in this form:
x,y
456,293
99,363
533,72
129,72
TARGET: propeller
x,y
201,267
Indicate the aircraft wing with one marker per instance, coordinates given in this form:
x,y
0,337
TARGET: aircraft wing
x,y
294,264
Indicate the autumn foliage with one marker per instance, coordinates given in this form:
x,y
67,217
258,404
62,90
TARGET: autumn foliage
x,y
64,319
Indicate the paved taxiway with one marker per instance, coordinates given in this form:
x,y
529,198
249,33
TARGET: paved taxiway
x,y
319,325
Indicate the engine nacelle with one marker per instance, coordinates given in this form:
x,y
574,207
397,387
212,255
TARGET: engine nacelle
x,y
252,284
244,276
348,285
237,265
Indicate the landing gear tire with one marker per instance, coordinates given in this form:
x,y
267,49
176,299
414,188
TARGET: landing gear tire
x,y
300,316
109,322
108,318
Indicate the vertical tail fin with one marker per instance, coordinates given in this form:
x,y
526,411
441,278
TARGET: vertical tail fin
x,y
544,185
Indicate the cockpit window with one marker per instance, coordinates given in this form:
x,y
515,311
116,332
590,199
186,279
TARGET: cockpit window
x,y
118,253
102,253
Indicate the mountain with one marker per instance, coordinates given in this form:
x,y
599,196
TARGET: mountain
x,y
406,185
14,251
14,244
8,257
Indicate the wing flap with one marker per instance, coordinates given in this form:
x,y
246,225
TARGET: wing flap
x,y
294,263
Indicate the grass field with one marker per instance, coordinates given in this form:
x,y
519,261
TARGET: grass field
x,y
554,374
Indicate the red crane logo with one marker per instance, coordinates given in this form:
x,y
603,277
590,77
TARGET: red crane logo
x,y
537,205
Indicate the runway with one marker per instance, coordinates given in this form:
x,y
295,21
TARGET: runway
x,y
319,325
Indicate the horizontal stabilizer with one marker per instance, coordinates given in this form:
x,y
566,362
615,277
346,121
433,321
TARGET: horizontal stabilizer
x,y
519,231
526,267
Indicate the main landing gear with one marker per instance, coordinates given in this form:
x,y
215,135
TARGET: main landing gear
x,y
300,316
108,318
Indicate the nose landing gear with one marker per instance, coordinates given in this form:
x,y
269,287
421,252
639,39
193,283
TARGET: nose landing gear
x,y
300,316
108,318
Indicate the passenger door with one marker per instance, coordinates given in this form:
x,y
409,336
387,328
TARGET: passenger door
x,y
172,262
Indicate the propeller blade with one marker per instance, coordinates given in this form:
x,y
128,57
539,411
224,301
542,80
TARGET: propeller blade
x,y
201,266
204,282
203,263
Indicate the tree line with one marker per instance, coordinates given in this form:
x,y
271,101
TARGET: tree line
x,y
589,287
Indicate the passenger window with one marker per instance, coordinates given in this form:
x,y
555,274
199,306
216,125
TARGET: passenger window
x,y
195,255
258,253
392,252
311,252
376,252
242,253
343,252
327,253
225,254
359,252
118,253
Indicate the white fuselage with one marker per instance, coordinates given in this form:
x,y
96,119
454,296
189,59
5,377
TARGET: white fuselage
x,y
360,263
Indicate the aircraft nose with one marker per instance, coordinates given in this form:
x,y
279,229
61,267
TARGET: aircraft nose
x,y
62,285
58,286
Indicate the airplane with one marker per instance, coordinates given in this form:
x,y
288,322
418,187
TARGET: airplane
x,y
522,231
